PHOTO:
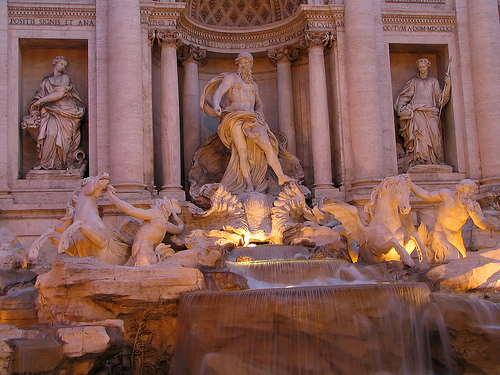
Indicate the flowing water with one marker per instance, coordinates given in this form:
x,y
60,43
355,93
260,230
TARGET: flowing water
x,y
314,317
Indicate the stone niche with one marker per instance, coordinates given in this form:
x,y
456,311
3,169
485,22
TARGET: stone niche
x,y
36,63
403,58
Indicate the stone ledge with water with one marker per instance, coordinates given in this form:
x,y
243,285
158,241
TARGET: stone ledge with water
x,y
268,286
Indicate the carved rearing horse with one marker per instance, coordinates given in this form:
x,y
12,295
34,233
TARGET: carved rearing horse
x,y
82,232
389,233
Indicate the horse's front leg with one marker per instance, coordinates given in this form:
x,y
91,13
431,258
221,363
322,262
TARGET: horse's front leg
x,y
403,254
35,247
64,240
422,253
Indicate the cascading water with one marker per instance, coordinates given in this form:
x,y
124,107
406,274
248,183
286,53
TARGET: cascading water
x,y
348,328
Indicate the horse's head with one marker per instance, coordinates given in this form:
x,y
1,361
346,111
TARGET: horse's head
x,y
401,193
94,185
394,190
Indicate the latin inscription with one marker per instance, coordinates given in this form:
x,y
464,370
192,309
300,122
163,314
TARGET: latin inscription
x,y
418,28
50,22
417,1
241,45
156,22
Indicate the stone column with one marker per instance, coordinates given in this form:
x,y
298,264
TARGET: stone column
x,y
4,141
125,95
148,37
283,57
363,94
319,118
485,57
170,117
191,113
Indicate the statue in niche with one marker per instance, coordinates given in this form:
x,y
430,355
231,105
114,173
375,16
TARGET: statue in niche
x,y
453,210
419,108
233,98
154,226
54,120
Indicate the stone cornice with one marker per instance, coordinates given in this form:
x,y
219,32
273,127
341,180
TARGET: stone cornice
x,y
51,10
161,14
423,22
51,15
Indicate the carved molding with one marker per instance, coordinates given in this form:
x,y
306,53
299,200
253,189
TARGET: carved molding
x,y
161,14
241,13
168,38
51,15
285,53
190,53
440,22
317,38
255,39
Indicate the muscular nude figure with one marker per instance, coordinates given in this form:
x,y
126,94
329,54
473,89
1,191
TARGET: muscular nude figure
x,y
454,209
153,228
242,128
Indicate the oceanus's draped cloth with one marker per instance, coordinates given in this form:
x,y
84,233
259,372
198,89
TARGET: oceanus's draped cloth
x,y
253,126
59,134
423,99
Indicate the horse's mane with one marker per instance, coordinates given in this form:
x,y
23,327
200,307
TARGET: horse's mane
x,y
70,206
386,184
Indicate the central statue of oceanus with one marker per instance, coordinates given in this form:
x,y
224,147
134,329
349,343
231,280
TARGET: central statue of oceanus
x,y
233,98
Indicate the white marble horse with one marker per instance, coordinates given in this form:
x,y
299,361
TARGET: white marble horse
x,y
389,233
82,232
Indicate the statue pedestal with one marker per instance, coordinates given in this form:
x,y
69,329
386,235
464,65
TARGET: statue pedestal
x,y
435,176
66,174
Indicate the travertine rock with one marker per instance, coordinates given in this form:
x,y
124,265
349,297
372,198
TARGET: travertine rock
x,y
88,289
83,340
472,327
479,271
12,253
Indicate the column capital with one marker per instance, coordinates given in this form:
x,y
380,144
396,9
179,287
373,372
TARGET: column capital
x,y
190,53
284,53
168,38
151,37
318,39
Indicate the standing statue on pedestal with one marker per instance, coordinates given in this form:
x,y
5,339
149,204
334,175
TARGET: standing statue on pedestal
x,y
419,107
54,120
454,209
233,98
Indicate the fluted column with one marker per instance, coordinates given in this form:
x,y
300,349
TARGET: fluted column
x,y
191,113
283,57
170,119
485,55
363,95
319,118
125,93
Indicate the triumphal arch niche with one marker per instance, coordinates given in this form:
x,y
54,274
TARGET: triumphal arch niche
x,y
335,80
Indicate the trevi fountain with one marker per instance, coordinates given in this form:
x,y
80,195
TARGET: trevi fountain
x,y
250,187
